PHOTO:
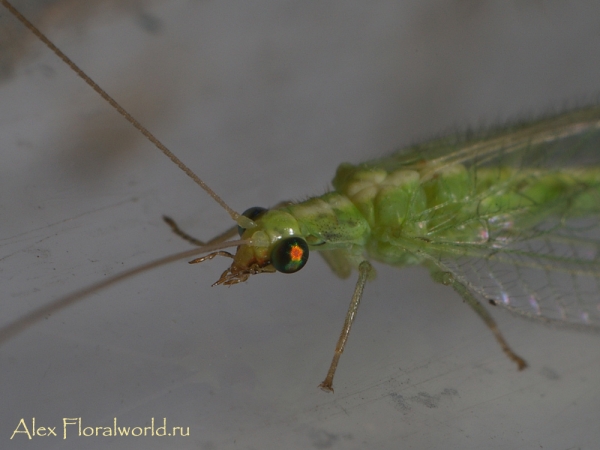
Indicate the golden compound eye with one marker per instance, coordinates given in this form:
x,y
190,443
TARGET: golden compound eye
x,y
289,255
252,213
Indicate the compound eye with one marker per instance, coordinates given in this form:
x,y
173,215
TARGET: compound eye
x,y
252,213
289,255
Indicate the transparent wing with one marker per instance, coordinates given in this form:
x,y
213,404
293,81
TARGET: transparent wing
x,y
549,276
545,143
541,261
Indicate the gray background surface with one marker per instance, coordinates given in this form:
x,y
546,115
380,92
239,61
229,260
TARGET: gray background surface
x,y
263,100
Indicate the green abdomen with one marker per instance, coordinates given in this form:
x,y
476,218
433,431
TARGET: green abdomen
x,y
459,205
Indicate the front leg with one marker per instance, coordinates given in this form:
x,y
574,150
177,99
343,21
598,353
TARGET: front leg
x,y
192,240
364,273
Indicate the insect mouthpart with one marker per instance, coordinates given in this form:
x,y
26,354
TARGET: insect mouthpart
x,y
245,264
235,274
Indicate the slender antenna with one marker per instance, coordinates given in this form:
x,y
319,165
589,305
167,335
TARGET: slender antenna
x,y
234,215
12,329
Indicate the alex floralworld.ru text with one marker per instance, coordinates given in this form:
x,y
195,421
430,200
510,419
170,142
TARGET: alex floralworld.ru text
x,y
75,427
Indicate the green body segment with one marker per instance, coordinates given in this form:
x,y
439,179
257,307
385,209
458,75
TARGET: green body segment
x,y
510,216
472,195
387,215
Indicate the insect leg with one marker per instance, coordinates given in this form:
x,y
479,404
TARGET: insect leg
x,y
229,233
364,270
447,279
191,239
338,261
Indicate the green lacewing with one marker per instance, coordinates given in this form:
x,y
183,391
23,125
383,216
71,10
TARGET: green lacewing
x,y
504,217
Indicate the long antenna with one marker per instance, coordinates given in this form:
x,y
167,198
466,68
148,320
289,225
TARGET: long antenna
x,y
12,329
42,37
